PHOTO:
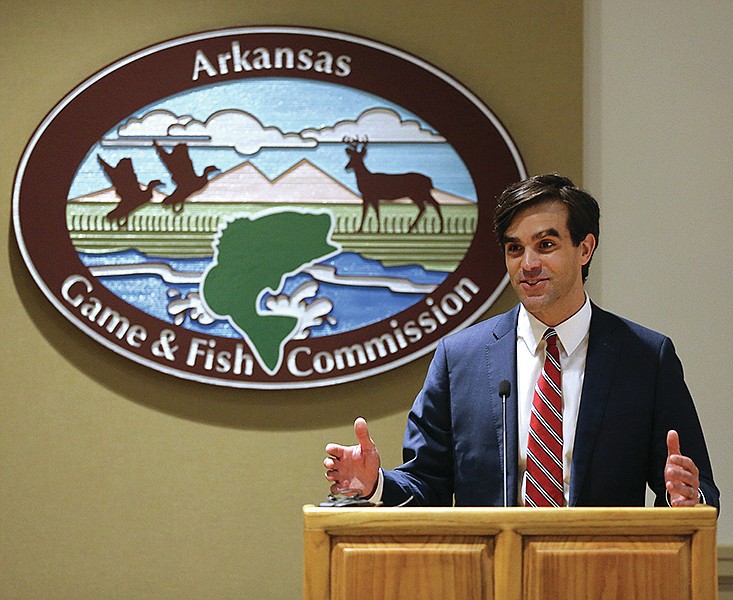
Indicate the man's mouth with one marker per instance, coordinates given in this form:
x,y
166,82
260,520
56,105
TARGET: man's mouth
x,y
532,282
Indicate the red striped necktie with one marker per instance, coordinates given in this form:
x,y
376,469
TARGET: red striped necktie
x,y
544,484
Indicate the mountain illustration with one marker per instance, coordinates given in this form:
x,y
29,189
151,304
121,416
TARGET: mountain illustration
x,y
304,182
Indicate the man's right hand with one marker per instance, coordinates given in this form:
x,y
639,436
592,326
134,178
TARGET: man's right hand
x,y
353,469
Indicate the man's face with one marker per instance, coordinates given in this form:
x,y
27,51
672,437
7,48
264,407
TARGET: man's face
x,y
544,266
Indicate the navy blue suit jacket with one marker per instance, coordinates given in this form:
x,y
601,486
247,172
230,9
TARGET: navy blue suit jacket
x,y
633,393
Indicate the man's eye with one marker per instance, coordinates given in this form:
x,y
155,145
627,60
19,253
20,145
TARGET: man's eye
x,y
513,248
547,244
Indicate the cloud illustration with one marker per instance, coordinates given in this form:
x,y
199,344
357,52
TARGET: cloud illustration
x,y
238,129
156,123
226,128
242,131
379,125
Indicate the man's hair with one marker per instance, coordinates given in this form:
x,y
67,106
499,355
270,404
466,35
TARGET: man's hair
x,y
583,211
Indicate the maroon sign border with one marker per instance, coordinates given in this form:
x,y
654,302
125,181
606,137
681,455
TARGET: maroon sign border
x,y
63,139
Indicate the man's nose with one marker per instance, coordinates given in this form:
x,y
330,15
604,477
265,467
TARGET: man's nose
x,y
531,261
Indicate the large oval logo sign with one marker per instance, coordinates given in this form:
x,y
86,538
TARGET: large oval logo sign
x,y
266,207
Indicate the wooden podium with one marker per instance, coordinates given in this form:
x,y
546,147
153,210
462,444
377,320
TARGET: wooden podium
x,y
510,553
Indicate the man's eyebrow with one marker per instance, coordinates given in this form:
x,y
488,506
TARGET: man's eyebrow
x,y
550,232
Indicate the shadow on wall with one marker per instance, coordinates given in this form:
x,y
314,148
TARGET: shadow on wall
x,y
277,410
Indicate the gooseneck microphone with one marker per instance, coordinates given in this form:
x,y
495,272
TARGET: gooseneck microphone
x,y
505,389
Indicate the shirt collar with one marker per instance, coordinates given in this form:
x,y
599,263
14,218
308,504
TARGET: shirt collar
x,y
570,332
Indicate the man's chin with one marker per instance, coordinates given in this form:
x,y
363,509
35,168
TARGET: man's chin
x,y
531,292
533,303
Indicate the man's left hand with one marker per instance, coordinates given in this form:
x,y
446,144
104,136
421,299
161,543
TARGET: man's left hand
x,y
681,476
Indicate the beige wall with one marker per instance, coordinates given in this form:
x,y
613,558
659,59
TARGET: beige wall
x,y
120,482
659,156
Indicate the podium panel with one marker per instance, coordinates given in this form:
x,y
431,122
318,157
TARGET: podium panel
x,y
510,553
412,567
556,569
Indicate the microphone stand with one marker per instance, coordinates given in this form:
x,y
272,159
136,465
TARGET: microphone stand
x,y
504,390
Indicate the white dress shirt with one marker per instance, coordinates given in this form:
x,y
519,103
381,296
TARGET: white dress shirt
x,y
572,337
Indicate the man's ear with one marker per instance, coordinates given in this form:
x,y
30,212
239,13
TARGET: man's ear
x,y
587,247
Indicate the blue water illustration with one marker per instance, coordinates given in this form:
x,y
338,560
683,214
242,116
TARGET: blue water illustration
x,y
353,306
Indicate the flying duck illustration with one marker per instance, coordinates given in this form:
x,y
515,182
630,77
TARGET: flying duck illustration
x,y
179,164
128,189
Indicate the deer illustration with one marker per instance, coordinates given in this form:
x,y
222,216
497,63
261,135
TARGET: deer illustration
x,y
383,186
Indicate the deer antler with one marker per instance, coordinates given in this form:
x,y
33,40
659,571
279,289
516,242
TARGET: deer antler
x,y
353,142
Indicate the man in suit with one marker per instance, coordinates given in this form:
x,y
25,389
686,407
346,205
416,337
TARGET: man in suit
x,y
624,418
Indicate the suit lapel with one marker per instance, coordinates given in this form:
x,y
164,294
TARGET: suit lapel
x,y
600,368
501,363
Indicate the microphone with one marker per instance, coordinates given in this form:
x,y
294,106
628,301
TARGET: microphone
x,y
505,389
